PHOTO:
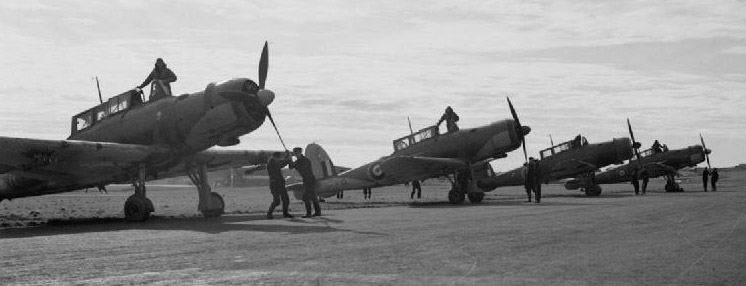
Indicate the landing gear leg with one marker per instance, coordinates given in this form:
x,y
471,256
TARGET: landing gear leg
x,y
590,187
138,207
672,185
211,204
456,195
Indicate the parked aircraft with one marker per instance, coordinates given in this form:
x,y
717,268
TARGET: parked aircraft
x,y
129,140
463,156
569,159
657,163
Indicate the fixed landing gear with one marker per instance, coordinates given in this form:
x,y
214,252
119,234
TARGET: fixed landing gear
x,y
211,204
138,207
592,190
671,185
464,187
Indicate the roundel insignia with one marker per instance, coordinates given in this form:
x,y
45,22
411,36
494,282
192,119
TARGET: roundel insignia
x,y
622,173
375,171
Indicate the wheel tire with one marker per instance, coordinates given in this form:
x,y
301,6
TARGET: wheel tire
x,y
137,208
475,197
217,208
593,191
455,197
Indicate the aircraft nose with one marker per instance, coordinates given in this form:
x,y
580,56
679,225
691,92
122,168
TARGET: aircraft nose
x,y
265,96
526,130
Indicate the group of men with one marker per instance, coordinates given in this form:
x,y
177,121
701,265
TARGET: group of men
x,y
713,178
277,183
533,179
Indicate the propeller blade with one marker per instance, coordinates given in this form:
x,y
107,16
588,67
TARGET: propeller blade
x,y
263,65
704,149
275,126
519,129
635,144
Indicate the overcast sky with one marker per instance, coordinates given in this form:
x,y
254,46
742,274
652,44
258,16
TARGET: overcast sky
x,y
348,73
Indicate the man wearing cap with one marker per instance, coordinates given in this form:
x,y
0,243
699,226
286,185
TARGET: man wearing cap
x,y
450,117
161,77
277,183
303,166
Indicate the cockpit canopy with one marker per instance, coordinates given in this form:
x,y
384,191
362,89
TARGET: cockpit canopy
x,y
114,105
577,142
412,139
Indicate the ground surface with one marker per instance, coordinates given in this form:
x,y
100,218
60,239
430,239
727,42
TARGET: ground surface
x,y
690,238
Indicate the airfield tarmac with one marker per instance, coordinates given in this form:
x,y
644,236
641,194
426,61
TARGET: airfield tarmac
x,y
690,238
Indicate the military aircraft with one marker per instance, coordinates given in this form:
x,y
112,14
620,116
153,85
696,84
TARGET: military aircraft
x,y
464,154
569,159
656,162
129,140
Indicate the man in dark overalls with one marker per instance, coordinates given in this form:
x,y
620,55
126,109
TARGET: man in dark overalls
x,y
450,117
634,177
416,188
645,178
161,77
277,183
714,176
528,178
537,177
303,166
705,175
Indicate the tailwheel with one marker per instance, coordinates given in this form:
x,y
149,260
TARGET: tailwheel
x,y
593,190
216,207
137,208
476,197
455,196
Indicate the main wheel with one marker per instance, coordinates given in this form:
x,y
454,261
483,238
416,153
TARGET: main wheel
x,y
216,207
593,191
137,208
476,197
455,197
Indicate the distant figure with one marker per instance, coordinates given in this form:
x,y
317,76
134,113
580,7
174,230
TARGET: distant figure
x,y
366,193
277,183
657,147
705,175
161,77
527,179
714,179
634,178
664,147
450,117
576,142
341,195
303,166
645,178
537,180
416,188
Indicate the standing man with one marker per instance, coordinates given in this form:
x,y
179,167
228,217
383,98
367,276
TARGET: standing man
x,y
161,77
645,178
528,178
450,117
416,188
634,177
303,166
714,179
537,180
705,174
277,183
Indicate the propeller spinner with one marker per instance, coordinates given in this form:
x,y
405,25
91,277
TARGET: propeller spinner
x,y
635,145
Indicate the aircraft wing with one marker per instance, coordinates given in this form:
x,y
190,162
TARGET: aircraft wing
x,y
409,168
62,160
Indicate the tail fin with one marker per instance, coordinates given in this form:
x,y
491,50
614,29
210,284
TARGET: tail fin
x,y
321,164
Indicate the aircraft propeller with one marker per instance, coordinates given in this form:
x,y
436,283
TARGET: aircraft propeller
x,y
265,93
519,129
707,152
635,145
